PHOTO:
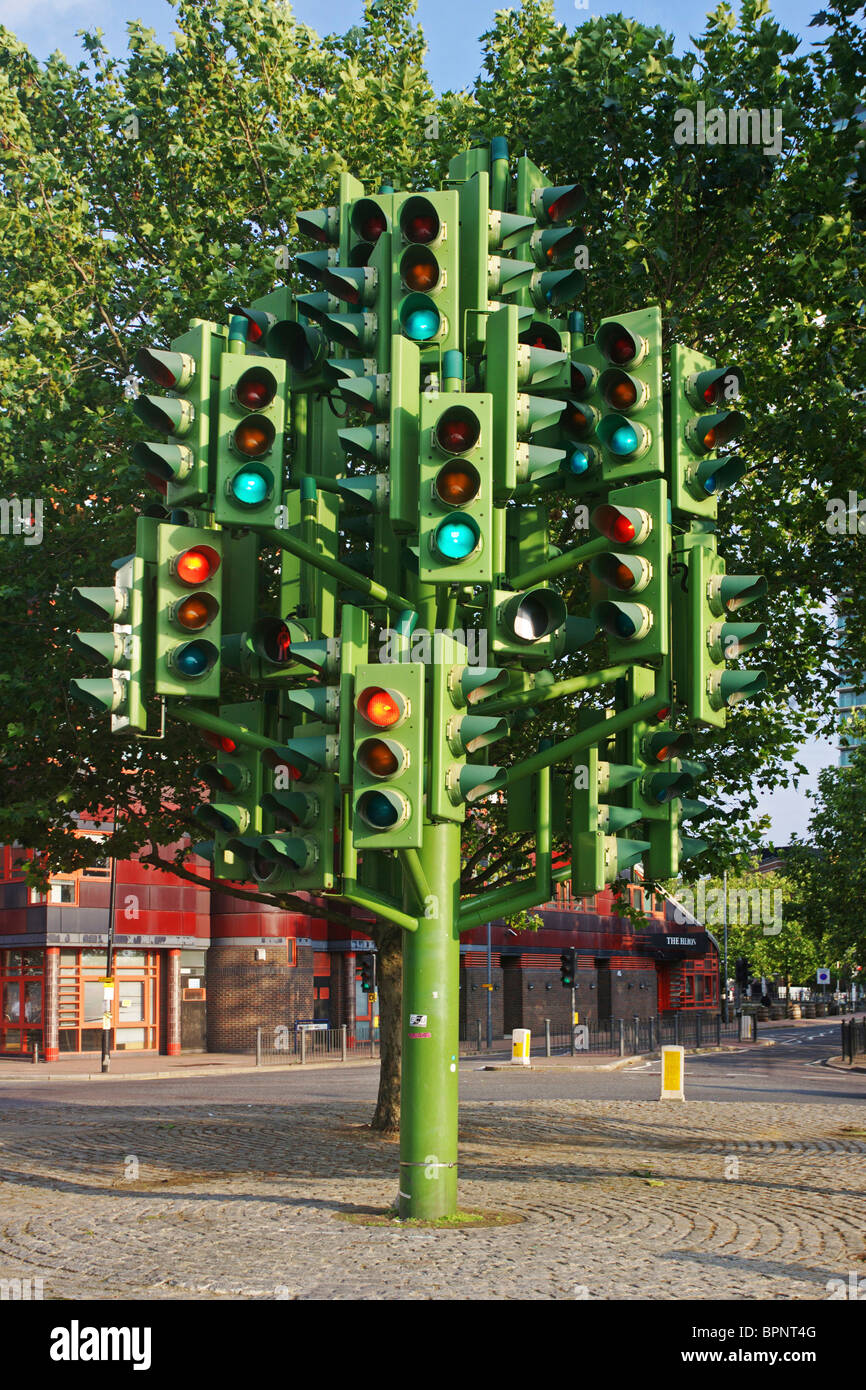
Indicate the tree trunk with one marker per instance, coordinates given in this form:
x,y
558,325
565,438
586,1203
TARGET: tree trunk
x,y
389,940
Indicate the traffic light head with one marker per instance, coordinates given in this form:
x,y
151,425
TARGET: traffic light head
x,y
250,444
177,467
568,967
123,649
617,381
630,581
701,422
188,619
388,756
555,206
425,272
455,501
703,641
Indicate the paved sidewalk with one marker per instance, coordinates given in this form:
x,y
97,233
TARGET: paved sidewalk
x,y
611,1199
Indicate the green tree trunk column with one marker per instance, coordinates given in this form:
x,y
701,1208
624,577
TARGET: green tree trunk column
x,y
431,978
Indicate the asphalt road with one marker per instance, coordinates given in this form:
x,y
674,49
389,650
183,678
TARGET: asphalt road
x,y
791,1070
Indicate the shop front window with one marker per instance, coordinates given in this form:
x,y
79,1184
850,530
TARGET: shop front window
x,y
20,1000
11,1002
134,1008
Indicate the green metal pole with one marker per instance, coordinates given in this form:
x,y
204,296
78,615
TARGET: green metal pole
x,y
431,977
560,564
310,556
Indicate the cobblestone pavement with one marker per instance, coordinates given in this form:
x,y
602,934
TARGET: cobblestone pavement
x,y
617,1199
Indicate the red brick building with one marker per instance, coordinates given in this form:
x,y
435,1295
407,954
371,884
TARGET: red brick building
x,y
196,970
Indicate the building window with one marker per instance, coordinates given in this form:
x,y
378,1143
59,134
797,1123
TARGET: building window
x,y
134,1009
20,1000
101,869
61,892
18,858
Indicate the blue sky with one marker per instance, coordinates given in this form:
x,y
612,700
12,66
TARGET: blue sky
x,y
452,29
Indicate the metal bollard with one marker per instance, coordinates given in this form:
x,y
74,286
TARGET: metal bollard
x,y
478,1035
344,1047
35,1051
303,1046
700,1030
547,1051
258,1047
622,1037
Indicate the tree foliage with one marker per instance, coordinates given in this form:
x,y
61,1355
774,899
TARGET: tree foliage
x,y
827,867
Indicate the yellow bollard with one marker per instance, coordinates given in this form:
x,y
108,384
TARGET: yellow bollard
x,y
673,1073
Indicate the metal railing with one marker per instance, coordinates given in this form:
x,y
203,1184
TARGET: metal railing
x,y
854,1038
285,1043
620,1037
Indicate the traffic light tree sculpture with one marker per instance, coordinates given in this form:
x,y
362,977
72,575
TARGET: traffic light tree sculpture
x,y
348,583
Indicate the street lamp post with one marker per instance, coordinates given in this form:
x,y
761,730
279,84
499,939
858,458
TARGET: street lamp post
x,y
108,990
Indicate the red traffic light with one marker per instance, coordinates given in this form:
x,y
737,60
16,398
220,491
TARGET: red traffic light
x,y
457,430
256,389
620,346
197,566
278,644
258,321
368,220
541,335
223,742
384,708
419,221
625,525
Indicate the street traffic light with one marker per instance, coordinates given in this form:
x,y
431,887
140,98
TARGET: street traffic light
x,y
630,582
598,853
122,692
457,731
425,273
388,401
518,415
250,440
704,597
568,967
188,618
367,973
559,280
657,750
272,649
178,467
388,762
617,383
455,489
297,854
700,423
368,218
233,774
359,325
